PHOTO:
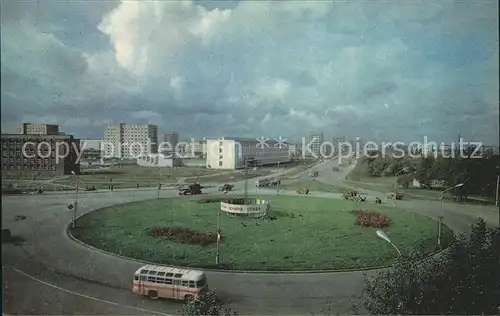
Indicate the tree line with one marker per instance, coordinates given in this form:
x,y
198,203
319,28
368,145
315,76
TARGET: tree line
x,y
478,174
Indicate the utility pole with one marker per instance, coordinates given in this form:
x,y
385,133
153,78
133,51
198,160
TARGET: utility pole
x,y
496,194
75,208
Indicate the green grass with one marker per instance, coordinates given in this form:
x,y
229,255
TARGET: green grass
x,y
129,176
230,177
324,237
312,185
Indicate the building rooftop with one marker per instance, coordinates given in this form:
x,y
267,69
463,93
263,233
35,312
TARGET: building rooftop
x,y
170,272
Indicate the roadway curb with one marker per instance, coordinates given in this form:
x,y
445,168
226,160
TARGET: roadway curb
x,y
277,272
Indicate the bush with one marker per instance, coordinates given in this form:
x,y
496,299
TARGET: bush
x,y
371,219
463,280
206,304
185,235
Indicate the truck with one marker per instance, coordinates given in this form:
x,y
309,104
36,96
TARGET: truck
x,y
192,189
263,183
313,174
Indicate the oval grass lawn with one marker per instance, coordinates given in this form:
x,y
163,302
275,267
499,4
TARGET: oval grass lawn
x,y
305,234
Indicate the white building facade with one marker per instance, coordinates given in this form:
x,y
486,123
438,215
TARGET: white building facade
x,y
158,160
231,153
130,141
316,140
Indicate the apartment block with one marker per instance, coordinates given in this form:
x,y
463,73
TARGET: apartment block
x,y
37,129
130,141
316,140
51,154
92,149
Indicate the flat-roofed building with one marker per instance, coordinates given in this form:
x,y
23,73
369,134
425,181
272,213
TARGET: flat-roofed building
x,y
231,153
131,140
37,129
51,154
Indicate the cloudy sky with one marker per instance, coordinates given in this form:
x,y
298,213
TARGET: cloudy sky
x,y
382,70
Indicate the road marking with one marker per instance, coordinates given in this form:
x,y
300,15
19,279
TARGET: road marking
x,y
86,296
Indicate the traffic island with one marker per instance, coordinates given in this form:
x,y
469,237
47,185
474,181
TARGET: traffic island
x,y
299,234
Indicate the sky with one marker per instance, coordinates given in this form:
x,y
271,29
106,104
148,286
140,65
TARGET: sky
x,y
378,70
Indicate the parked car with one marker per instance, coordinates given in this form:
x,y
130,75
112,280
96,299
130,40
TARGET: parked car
x,y
226,187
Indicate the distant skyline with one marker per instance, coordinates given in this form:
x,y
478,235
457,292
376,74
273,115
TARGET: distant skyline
x,y
380,70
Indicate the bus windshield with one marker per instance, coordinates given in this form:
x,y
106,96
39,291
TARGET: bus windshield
x,y
201,283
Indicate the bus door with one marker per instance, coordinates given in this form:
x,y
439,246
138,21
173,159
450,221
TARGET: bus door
x,y
142,280
177,290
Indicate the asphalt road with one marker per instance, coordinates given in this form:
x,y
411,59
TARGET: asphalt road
x,y
51,274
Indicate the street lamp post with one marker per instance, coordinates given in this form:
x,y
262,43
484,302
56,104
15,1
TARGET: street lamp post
x,y
76,198
217,254
440,218
382,235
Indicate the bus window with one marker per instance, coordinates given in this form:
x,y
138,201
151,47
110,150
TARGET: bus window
x,y
201,283
160,280
161,273
168,281
192,284
169,275
136,277
143,278
144,271
151,279
152,272
177,275
185,283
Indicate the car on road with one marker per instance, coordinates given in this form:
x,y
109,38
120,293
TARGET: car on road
x,y
192,189
225,187
263,182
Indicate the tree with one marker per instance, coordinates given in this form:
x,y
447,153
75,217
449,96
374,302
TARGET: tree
x,y
464,279
206,305
424,170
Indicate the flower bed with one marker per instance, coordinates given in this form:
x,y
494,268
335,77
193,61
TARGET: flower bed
x,y
370,219
185,235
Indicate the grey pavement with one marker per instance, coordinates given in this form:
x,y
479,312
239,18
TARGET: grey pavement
x,y
50,256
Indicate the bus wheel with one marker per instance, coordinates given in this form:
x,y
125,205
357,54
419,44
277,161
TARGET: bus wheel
x,y
153,295
188,298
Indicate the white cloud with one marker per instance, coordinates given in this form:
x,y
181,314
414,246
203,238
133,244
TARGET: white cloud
x,y
256,66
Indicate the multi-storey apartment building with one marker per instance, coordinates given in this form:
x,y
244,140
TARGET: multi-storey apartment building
x,y
51,154
131,140
171,139
315,149
197,148
92,149
231,153
37,129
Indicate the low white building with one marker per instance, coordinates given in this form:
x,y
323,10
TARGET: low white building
x,y
231,153
158,160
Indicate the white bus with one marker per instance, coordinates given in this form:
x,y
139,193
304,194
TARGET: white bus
x,y
179,284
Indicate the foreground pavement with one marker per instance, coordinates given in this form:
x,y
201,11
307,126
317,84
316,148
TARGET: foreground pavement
x,y
51,274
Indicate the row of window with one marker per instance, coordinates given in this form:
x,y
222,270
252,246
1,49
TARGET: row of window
x,y
167,281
